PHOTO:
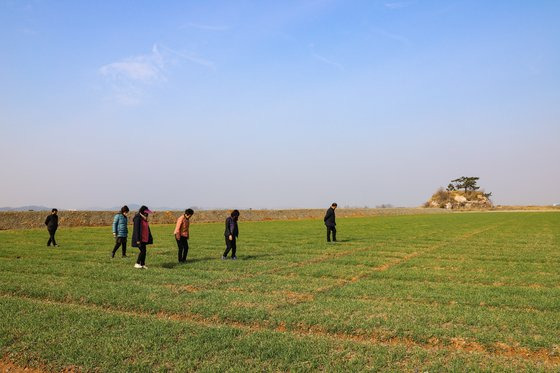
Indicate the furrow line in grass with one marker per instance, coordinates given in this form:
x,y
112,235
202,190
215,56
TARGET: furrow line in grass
x,y
431,249
389,265
493,258
490,307
532,286
383,267
455,344
296,298
315,260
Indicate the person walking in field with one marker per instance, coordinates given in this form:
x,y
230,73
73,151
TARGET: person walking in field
x,y
141,235
182,235
330,222
231,233
52,225
120,231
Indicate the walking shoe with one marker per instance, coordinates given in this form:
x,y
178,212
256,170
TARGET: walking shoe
x,y
233,258
112,255
125,256
224,257
144,267
137,265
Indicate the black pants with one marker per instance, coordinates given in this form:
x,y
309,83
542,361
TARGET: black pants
x,y
230,245
118,242
183,245
142,256
51,237
329,230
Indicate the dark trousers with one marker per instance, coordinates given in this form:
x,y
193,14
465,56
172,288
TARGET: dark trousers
x,y
118,242
142,256
51,237
329,230
183,246
230,245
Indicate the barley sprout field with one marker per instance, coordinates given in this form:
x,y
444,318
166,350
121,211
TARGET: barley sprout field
x,y
446,292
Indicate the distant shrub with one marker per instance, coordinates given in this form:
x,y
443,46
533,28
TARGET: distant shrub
x,y
459,199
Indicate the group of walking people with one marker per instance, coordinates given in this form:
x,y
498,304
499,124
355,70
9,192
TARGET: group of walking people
x,y
142,235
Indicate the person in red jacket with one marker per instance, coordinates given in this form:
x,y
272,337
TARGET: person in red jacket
x,y
182,235
141,235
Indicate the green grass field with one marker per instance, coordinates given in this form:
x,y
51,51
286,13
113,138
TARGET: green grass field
x,y
461,292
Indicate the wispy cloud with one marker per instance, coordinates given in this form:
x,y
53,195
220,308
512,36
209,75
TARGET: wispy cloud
x,y
190,57
144,68
204,27
327,61
129,79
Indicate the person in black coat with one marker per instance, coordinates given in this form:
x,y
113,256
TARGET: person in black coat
x,y
141,235
52,225
231,233
330,223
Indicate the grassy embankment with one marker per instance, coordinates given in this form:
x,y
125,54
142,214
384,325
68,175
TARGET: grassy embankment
x,y
464,292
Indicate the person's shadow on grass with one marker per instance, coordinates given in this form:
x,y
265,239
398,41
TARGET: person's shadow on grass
x,y
171,265
341,241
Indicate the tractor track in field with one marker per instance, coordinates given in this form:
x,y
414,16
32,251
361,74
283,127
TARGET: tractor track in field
x,y
314,260
387,266
318,259
548,357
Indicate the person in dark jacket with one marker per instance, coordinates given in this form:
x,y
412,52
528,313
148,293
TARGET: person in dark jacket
x,y
141,235
231,233
330,223
120,231
52,225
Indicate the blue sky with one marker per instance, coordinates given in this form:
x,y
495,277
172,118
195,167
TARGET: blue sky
x,y
268,104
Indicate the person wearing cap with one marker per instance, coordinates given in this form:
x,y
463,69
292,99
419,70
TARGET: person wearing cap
x,y
120,231
231,233
330,222
141,235
182,235
52,225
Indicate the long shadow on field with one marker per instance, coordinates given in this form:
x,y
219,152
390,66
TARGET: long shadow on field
x,y
171,265
254,256
340,241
